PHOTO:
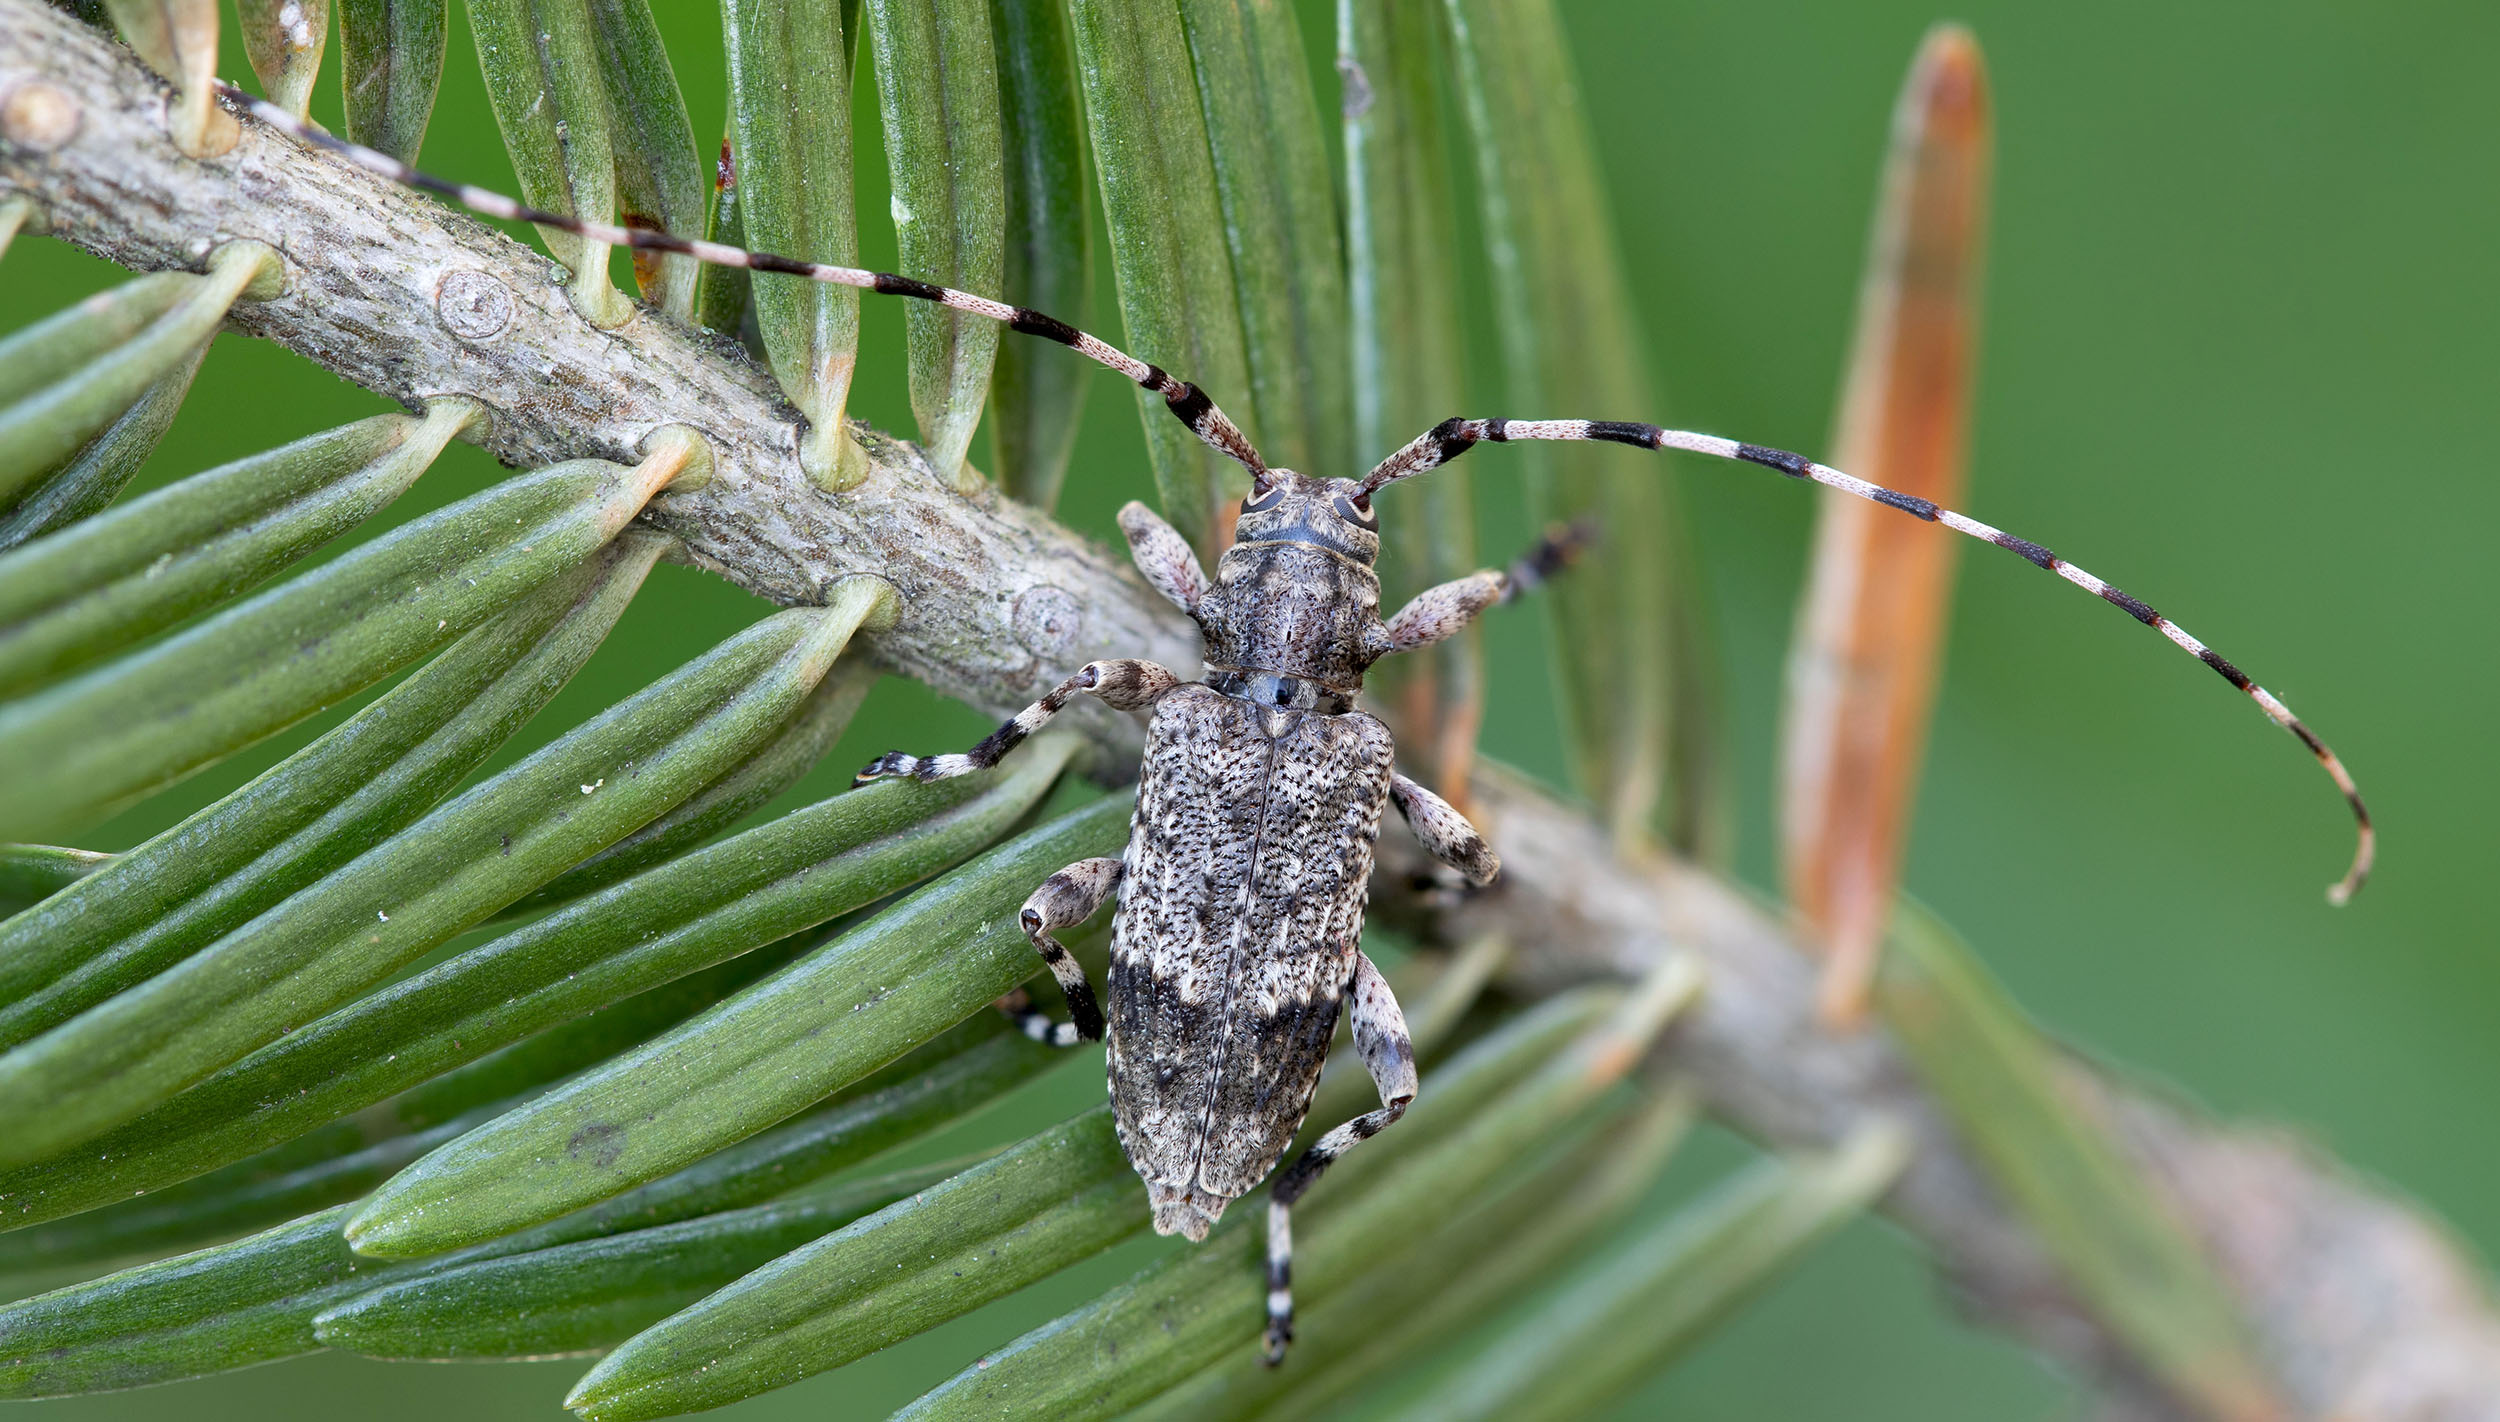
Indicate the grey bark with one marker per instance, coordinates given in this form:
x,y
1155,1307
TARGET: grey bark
x,y
2361,1306
390,289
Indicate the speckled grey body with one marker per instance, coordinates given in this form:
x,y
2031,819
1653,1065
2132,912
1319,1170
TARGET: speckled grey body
x,y
1241,894
1240,910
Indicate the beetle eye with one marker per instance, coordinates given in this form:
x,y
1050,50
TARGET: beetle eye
x,y
1356,514
1261,500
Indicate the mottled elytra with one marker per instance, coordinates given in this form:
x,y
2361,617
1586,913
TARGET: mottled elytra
x,y
1236,942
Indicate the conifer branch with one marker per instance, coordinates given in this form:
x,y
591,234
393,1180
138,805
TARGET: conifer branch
x,y
2361,1306
391,290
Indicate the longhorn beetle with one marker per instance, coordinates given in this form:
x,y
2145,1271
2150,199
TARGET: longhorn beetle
x,y
1241,894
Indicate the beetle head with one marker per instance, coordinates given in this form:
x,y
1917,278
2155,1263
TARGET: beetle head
x,y
1335,514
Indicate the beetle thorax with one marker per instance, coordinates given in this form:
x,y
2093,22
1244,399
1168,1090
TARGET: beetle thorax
x,y
1295,597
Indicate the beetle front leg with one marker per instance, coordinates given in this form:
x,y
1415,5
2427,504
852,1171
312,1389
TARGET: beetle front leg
x,y
1440,611
1445,833
1064,900
1389,1055
1126,684
1169,563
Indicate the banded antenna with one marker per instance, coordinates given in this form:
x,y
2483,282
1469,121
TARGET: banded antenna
x,y
1451,438
1435,447
1187,402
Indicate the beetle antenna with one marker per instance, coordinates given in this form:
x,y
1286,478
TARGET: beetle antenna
x,y
1186,401
1451,438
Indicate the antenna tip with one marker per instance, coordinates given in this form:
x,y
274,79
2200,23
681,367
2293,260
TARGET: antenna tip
x,y
2340,893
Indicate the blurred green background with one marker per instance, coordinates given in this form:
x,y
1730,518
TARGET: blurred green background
x,y
2239,358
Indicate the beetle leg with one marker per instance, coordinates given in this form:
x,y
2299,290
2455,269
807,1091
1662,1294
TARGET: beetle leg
x,y
1445,833
1064,900
1442,610
1169,563
1389,1055
1124,685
